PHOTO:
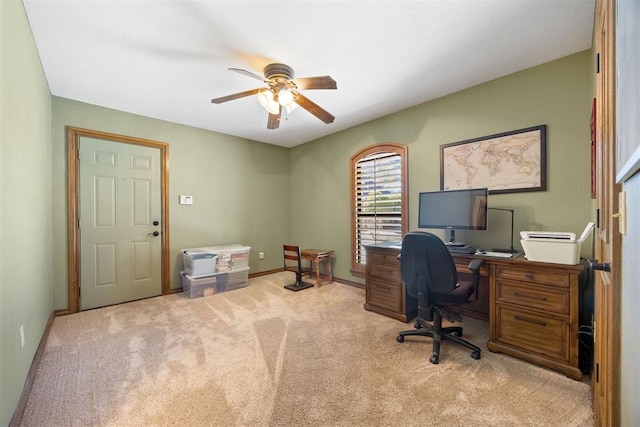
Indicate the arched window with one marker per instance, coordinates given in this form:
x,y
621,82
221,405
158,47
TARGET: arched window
x,y
378,199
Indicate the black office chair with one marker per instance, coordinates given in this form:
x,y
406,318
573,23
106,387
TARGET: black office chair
x,y
430,275
293,262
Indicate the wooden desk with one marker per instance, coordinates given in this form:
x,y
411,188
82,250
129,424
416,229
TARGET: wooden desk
x,y
533,307
317,256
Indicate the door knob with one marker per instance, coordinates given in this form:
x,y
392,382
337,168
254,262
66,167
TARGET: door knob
x,y
154,234
602,266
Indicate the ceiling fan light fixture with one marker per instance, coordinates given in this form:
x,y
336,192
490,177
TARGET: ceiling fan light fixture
x,y
291,107
282,93
285,98
266,99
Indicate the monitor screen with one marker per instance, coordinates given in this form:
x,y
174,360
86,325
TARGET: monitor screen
x,y
453,209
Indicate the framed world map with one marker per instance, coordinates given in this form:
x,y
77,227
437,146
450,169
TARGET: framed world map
x,y
507,162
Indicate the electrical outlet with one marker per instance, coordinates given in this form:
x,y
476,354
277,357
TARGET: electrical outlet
x,y
21,336
260,255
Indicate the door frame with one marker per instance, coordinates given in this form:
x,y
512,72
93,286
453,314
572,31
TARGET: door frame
x,y
608,242
73,207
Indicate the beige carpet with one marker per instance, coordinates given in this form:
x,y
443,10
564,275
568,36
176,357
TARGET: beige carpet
x,y
265,356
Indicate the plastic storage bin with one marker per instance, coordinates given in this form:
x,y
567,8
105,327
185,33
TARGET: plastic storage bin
x,y
196,287
228,257
198,263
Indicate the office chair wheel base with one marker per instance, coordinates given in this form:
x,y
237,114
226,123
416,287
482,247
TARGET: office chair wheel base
x,y
400,338
434,359
475,355
417,325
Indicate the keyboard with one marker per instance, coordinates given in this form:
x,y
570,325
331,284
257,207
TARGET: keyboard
x,y
461,250
496,254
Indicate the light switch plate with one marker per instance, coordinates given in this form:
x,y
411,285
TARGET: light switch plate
x,y
186,200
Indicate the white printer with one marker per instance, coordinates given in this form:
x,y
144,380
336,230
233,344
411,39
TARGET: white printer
x,y
554,246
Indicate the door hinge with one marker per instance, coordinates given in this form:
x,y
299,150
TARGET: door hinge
x,y
597,372
597,63
598,218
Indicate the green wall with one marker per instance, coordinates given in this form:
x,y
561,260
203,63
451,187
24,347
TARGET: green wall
x,y
26,285
557,94
240,187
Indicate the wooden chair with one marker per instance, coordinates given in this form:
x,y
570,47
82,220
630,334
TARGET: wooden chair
x,y
293,262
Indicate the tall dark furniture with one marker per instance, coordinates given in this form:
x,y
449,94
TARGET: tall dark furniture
x,y
430,274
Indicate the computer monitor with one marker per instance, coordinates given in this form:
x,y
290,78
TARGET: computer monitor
x,y
453,210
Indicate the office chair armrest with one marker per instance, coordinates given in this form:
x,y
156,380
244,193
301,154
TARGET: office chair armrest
x,y
474,266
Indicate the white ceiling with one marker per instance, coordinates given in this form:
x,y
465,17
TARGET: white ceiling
x,y
168,59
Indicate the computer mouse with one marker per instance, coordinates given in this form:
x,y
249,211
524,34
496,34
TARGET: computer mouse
x,y
480,252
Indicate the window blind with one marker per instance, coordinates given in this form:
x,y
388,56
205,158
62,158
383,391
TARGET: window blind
x,y
378,201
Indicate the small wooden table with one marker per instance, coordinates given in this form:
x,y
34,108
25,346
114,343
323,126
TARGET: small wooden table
x,y
316,256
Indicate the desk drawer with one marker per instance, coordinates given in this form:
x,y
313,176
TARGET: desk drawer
x,y
557,278
385,294
383,257
549,299
537,333
385,271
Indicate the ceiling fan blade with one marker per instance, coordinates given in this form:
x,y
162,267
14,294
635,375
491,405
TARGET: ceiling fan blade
x,y
320,82
274,119
235,96
312,107
248,73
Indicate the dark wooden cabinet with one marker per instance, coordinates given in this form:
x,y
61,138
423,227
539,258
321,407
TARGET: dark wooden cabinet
x,y
534,312
387,295
385,291
532,307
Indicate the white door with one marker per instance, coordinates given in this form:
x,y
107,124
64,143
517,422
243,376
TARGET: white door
x,y
120,214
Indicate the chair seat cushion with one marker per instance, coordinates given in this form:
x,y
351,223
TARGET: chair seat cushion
x,y
458,296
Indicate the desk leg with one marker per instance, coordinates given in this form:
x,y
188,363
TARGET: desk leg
x,y
328,278
317,260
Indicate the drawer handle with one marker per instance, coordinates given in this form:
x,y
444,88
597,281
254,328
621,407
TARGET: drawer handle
x,y
518,294
535,322
528,275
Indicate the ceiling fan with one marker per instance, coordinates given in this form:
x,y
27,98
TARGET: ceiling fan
x,y
282,91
